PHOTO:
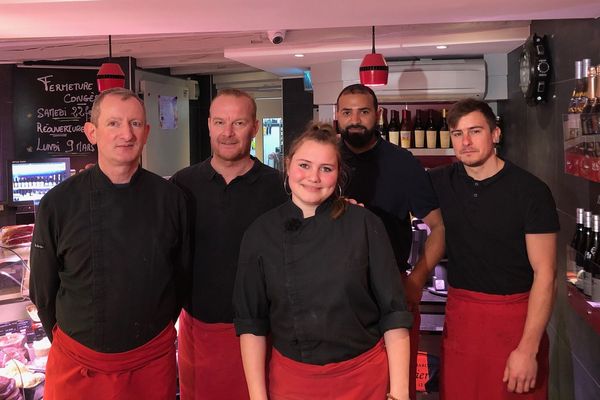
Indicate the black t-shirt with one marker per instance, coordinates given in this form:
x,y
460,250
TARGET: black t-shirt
x,y
326,289
391,183
486,223
221,213
109,263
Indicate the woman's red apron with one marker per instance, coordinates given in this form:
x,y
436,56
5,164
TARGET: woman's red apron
x,y
364,377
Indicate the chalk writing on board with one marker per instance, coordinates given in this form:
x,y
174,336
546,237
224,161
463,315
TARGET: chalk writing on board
x,y
52,107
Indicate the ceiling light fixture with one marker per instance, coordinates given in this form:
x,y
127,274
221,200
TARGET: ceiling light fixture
x,y
299,55
373,69
110,75
441,47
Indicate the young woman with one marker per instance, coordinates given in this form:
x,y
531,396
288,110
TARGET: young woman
x,y
319,276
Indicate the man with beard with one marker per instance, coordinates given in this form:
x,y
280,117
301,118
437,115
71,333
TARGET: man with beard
x,y
392,184
227,193
502,224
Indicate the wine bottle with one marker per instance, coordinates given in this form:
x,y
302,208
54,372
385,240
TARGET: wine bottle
x,y
578,89
381,123
586,116
431,132
498,144
578,234
595,111
585,70
405,131
595,266
419,131
575,241
587,234
444,131
394,128
592,247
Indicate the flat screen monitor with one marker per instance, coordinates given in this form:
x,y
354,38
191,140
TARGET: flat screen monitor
x,y
30,180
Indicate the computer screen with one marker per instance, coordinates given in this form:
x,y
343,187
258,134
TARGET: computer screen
x,y
30,180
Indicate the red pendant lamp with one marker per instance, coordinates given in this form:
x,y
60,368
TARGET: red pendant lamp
x,y
110,75
373,69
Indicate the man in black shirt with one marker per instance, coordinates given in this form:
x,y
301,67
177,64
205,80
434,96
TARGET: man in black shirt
x,y
392,184
227,192
108,266
501,226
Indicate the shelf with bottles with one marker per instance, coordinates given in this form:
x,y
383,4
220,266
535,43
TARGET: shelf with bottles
x,y
586,305
583,269
581,126
581,137
420,128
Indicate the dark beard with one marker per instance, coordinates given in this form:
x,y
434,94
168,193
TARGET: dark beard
x,y
358,140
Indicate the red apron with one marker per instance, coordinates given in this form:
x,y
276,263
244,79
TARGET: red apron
x,y
480,332
365,377
210,361
75,371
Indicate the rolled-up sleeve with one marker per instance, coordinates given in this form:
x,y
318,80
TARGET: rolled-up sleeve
x,y
250,299
385,278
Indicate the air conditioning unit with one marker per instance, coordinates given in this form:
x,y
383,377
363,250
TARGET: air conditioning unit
x,y
422,80
433,80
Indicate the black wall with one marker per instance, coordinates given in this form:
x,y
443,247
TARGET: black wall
x,y
7,216
199,112
297,110
534,140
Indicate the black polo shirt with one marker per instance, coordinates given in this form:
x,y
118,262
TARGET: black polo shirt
x,y
392,184
486,222
221,213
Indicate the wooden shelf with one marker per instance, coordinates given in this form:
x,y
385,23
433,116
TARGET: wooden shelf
x,y
432,152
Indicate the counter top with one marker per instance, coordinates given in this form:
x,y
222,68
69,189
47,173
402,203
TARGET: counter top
x,y
580,303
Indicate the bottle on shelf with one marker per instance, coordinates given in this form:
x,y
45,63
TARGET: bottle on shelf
x,y
501,137
405,131
419,131
595,269
382,124
582,249
431,132
592,247
587,127
578,90
585,70
576,240
595,111
444,131
394,128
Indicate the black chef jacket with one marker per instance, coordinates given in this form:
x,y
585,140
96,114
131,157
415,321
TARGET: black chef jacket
x,y
109,262
221,213
326,289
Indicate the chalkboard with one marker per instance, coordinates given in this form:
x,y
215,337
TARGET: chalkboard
x,y
51,105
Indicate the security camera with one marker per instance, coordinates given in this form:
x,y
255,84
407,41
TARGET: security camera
x,y
276,37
